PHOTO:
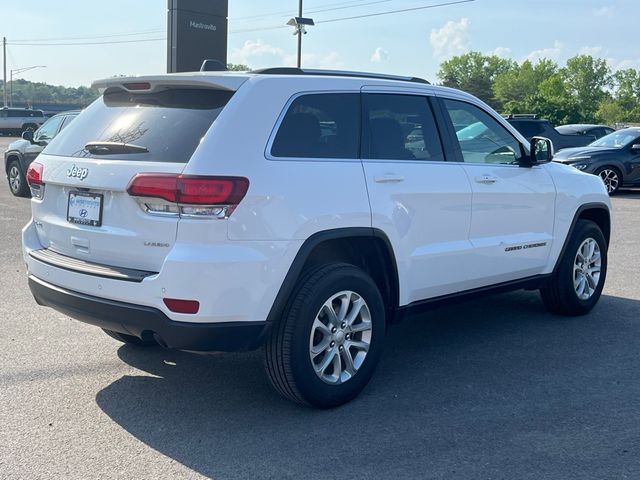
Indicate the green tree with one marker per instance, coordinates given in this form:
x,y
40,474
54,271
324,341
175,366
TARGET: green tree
x,y
587,81
475,73
522,81
238,67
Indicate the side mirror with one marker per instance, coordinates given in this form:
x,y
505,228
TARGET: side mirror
x,y
635,147
28,135
541,149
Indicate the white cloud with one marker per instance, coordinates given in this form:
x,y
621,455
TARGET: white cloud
x,y
624,64
605,11
257,54
380,55
593,51
452,39
552,53
503,52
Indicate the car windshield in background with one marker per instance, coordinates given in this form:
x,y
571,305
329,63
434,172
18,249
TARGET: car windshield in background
x,y
167,126
472,131
619,139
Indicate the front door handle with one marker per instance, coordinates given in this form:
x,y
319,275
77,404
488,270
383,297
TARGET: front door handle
x,y
486,180
388,178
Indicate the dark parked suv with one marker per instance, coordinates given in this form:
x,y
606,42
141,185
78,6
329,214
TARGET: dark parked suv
x,y
615,157
531,126
22,152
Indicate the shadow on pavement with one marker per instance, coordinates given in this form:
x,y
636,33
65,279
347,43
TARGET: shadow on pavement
x,y
495,388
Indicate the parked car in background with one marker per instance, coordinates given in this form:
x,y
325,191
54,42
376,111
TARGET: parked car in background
x,y
596,131
530,126
614,157
21,153
17,120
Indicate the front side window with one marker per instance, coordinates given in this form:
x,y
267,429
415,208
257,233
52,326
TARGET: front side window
x,y
324,125
47,131
482,139
400,127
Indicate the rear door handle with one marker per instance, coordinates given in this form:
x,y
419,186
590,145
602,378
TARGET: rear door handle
x,y
486,180
388,178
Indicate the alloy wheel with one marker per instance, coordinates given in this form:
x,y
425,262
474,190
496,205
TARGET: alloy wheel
x,y
15,180
610,179
340,337
586,269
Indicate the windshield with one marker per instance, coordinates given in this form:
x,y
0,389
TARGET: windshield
x,y
571,130
619,139
164,126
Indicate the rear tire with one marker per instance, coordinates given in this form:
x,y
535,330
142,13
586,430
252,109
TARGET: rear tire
x,y
579,278
129,339
324,349
611,177
17,181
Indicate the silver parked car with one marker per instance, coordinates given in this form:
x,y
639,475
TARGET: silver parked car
x,y
17,120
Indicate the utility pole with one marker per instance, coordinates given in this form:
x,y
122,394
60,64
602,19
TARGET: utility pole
x,y
299,42
4,61
299,24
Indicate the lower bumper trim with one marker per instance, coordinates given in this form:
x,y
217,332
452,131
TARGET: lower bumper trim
x,y
142,321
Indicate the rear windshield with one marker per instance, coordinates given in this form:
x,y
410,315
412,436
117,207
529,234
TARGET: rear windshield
x,y
168,125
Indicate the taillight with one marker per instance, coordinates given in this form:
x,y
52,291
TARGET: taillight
x,y
34,179
188,195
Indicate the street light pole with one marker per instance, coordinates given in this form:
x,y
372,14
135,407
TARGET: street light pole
x,y
299,23
11,72
4,61
299,36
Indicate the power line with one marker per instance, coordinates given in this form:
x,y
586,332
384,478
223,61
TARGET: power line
x,y
111,35
249,30
395,11
88,43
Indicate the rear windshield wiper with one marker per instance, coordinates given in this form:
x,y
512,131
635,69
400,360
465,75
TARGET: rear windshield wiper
x,y
109,148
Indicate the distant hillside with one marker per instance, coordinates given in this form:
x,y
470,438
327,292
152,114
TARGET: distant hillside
x,y
27,93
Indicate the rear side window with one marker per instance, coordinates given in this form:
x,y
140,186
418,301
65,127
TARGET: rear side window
x,y
400,127
169,124
323,125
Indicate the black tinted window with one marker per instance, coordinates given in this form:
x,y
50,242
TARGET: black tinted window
x,y
25,113
528,129
400,127
169,124
320,126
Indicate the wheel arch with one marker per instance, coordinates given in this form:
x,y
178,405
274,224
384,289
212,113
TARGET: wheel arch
x,y
10,157
598,213
364,247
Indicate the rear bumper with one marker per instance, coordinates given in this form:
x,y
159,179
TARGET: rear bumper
x,y
146,322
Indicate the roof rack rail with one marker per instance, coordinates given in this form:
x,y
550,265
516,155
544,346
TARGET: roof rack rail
x,y
520,115
336,73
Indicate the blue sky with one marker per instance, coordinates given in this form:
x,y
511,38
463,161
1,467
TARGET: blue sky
x,y
413,43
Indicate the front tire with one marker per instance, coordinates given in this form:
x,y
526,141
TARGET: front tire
x,y
611,177
579,279
324,349
17,181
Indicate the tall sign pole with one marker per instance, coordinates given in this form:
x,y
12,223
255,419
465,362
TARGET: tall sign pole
x,y
196,31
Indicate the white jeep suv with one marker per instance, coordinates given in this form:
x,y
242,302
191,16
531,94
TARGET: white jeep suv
x,y
301,211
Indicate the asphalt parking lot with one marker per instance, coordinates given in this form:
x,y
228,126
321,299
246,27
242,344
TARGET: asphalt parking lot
x,y
489,389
